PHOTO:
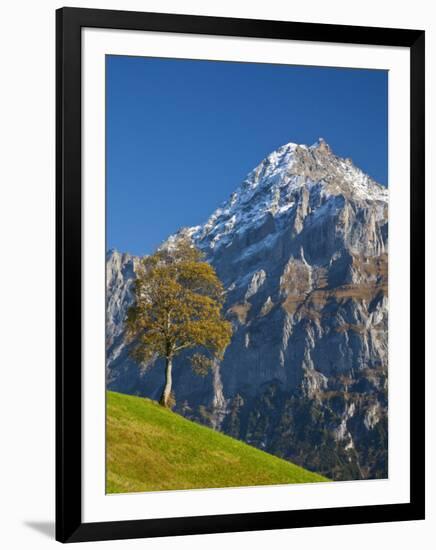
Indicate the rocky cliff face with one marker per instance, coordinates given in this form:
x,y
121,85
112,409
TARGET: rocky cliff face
x,y
302,249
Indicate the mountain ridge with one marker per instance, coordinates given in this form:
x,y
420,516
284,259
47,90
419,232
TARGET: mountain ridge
x,y
279,175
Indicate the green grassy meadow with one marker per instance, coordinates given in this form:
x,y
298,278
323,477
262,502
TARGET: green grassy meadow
x,y
149,448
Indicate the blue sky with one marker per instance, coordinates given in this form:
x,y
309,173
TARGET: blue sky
x,y
181,135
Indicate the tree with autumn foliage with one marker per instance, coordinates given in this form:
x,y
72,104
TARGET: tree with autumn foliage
x,y
178,306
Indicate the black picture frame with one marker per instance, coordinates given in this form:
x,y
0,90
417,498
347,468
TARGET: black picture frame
x,y
69,525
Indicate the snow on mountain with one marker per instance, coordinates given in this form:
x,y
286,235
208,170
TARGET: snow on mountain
x,y
272,189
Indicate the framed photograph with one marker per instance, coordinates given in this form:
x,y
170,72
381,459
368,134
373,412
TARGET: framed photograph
x,y
240,274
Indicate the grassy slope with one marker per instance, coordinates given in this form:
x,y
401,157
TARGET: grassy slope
x,y
152,449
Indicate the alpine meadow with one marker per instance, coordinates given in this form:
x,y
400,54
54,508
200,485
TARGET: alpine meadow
x,y
246,340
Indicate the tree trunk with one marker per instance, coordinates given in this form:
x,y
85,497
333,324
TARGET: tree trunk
x,y
166,394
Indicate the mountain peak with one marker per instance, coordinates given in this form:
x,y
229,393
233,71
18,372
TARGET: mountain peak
x,y
273,186
321,145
